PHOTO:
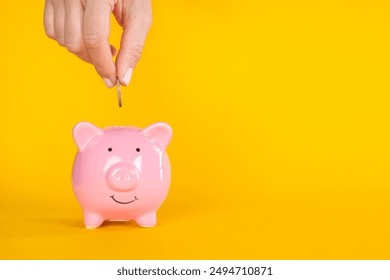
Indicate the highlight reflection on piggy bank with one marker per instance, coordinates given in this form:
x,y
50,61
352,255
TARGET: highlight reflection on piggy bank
x,y
121,173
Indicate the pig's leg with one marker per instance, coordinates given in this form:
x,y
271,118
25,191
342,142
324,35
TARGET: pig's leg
x,y
92,220
147,220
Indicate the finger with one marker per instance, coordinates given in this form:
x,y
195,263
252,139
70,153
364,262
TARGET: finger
x,y
96,32
59,21
74,16
136,22
48,20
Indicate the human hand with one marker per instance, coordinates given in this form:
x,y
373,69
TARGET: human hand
x,y
83,27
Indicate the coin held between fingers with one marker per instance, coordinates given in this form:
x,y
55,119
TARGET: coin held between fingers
x,y
118,89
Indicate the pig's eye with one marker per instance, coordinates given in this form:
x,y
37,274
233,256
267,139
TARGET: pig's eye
x,y
109,149
138,150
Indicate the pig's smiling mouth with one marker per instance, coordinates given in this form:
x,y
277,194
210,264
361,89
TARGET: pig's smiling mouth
x,y
121,202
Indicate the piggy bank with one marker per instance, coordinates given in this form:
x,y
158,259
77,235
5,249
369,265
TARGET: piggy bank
x,y
121,173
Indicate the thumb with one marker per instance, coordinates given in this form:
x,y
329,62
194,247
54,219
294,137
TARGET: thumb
x,y
136,24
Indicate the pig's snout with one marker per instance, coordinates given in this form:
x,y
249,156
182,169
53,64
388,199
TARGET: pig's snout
x,y
122,177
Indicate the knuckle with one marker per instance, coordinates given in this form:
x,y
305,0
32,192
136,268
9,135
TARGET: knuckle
x,y
73,47
142,21
93,40
146,21
61,41
135,52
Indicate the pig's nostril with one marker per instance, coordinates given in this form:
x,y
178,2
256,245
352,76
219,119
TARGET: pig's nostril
x,y
117,177
127,177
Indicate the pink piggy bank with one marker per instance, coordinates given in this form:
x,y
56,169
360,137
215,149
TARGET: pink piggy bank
x,y
121,173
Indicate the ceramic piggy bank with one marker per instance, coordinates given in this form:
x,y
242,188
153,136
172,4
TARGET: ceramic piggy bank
x,y
121,173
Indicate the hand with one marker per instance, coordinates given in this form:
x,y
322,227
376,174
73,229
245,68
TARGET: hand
x,y
83,27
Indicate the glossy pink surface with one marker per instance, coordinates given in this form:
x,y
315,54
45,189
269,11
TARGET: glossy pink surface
x,y
121,173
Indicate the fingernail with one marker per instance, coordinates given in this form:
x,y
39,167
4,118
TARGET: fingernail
x,y
127,77
108,82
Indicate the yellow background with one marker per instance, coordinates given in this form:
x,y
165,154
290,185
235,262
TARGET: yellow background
x,y
280,111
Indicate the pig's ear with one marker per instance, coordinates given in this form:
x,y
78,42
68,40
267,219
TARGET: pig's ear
x,y
159,134
83,132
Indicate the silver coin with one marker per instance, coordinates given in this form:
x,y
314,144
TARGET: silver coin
x,y
118,89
